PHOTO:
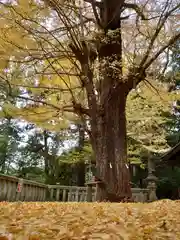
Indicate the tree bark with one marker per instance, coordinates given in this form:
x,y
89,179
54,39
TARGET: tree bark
x,y
111,150
108,103
111,144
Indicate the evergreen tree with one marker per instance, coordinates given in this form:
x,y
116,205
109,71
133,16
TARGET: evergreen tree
x,y
173,76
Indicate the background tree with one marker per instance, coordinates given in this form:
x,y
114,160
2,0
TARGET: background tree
x,y
9,140
173,76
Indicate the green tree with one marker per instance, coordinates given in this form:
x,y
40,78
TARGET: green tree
x,y
9,141
173,76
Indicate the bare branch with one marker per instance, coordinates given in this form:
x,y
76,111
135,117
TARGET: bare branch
x,y
93,3
75,108
136,8
70,90
40,101
170,43
154,88
44,87
154,37
97,4
80,110
166,63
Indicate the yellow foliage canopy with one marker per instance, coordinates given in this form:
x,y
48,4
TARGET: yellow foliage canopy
x,y
32,34
147,109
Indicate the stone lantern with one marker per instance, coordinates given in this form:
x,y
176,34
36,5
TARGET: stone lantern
x,y
90,171
151,181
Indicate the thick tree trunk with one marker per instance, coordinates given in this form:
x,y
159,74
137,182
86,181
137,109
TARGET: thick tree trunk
x,y
111,144
111,150
107,103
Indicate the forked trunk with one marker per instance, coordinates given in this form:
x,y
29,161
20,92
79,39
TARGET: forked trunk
x,y
107,105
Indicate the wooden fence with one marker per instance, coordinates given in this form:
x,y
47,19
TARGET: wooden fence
x,y
68,193
80,194
16,189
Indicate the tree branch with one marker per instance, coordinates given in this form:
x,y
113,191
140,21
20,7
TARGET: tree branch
x,y
80,110
136,8
45,87
93,3
97,4
154,37
75,108
39,101
170,43
167,62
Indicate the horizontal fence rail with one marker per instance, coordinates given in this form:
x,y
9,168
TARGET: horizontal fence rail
x,y
17,189
69,193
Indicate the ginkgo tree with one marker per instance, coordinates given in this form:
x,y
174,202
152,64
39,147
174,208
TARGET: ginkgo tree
x,y
83,58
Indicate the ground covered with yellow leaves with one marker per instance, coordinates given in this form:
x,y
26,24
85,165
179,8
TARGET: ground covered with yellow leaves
x,y
109,221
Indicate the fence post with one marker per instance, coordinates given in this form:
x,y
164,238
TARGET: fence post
x,y
19,189
89,193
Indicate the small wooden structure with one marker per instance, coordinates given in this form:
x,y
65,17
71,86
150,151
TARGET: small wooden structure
x,y
172,157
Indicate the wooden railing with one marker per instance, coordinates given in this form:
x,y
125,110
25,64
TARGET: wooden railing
x,y
16,189
82,194
69,193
